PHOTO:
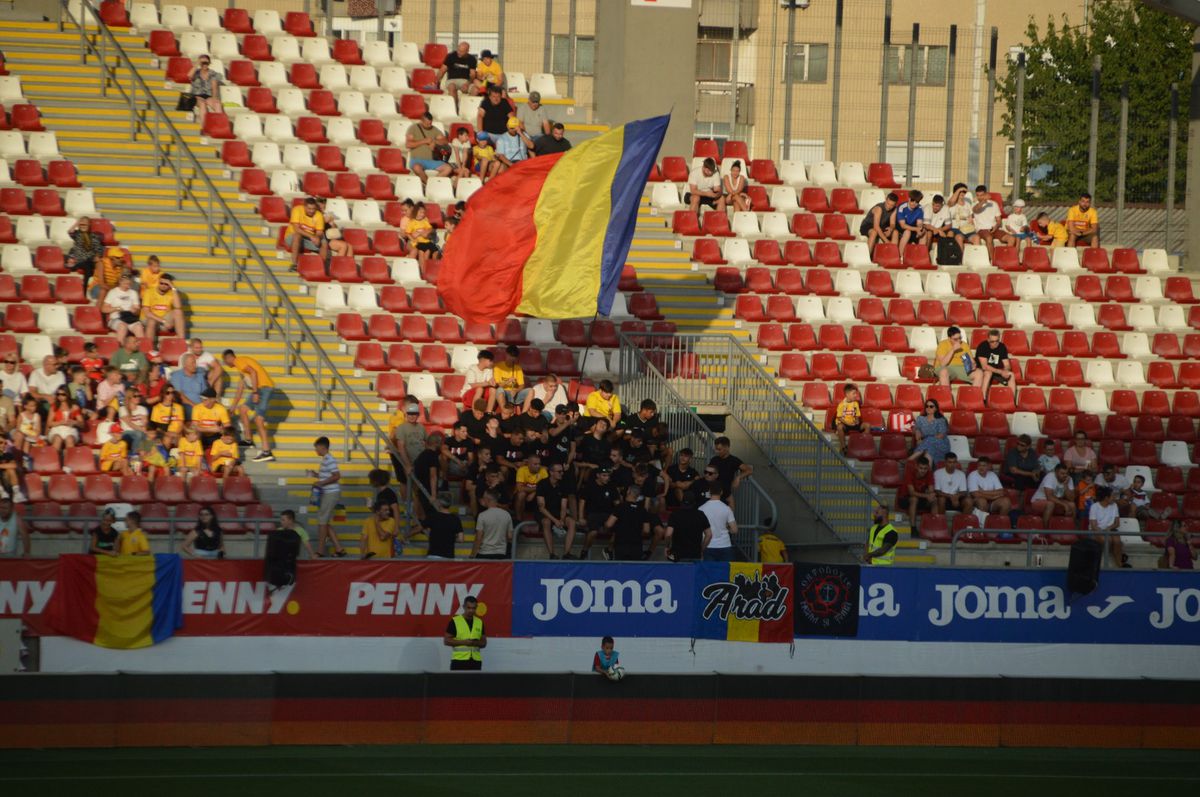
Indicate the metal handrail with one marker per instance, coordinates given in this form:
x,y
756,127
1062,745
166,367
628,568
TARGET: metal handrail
x,y
237,272
1030,534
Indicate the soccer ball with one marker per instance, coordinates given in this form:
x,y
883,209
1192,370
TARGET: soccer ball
x,y
615,672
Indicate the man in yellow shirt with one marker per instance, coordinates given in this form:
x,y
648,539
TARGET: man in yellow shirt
x,y
163,310
378,534
209,417
848,417
603,403
528,476
258,383
306,231
133,541
1083,225
953,361
510,379
488,72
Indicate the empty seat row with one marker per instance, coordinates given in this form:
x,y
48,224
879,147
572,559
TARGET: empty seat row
x,y
207,19
370,356
105,488
43,146
47,202
50,517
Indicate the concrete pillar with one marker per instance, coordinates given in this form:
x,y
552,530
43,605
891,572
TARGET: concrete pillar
x,y
646,66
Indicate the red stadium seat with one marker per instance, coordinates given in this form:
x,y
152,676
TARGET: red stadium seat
x,y
1179,290
685,222
350,327
1076,344
1166,345
879,283
834,226
415,329
433,358
749,308
1112,317
322,103
887,256
163,44
916,256
820,282
763,171
380,326
766,251
303,75
816,395
880,175
862,338
402,357
845,201
237,20
771,338
814,200
178,69
1125,261
707,251
347,52
99,488
827,253
716,223
237,155
1068,373
871,311
1052,316
793,366
728,279
1036,258
968,285
797,253
369,356
833,337
1149,428
802,337
1095,259
298,23
1118,288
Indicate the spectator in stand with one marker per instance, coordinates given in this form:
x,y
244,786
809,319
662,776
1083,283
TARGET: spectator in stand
x,y
223,459
985,214
484,155
1045,232
130,361
848,417
730,469
111,391
917,495
419,139
987,493
510,379
479,384
512,146
426,474
644,419
112,266
688,532
1177,553
494,113
1103,517
553,510
190,380
190,452
114,456
1021,465
460,154
337,246
680,478
327,489
535,118
122,306
879,224
528,476
134,418
553,143
459,71
734,187
133,540
629,525
962,216
46,380
1083,224
408,439
598,499
910,220
1080,458
12,530
206,89
458,453
950,487
13,385
593,449
64,421
493,529
149,276
705,188
489,74
1110,478
938,224
378,534
29,426
209,417
603,403
550,391
1054,496
163,310
418,230
207,363
306,232
475,418
722,526
104,535
994,363
1014,229
257,384
87,249
204,540
953,361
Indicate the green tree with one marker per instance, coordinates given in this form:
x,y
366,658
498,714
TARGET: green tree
x,y
1140,48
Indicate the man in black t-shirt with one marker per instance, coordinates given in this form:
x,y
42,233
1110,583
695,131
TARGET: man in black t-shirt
x,y
458,452
643,419
688,532
730,469
444,530
992,356
510,421
426,471
513,455
622,474
680,477
562,435
492,478
555,142
554,515
459,70
593,449
630,524
475,419
533,422
634,451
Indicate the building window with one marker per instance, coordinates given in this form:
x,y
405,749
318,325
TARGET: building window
x,y
718,131
809,63
560,54
931,63
805,150
713,60
929,158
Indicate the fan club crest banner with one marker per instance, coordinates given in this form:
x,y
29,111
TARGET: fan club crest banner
x,y
826,600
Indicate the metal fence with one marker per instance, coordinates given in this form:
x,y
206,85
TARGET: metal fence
x,y
716,371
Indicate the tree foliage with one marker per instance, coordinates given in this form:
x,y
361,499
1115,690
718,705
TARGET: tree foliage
x,y
1140,48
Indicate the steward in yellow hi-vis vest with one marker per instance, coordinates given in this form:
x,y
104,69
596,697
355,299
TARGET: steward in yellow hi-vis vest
x,y
465,637
881,540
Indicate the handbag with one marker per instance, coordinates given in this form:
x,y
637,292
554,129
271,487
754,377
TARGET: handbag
x,y
187,102
128,317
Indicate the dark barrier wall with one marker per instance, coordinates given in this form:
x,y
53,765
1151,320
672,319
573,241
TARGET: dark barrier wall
x,y
443,708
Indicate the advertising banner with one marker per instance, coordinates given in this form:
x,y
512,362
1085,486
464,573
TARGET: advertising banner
x,y
826,599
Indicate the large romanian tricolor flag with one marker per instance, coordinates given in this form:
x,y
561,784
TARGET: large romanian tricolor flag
x,y
548,238
744,601
121,602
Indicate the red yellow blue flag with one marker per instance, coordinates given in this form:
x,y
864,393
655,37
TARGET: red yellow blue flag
x,y
549,237
121,602
744,601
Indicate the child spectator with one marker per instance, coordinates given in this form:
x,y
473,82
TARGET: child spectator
x,y
28,431
114,456
80,388
419,232
64,420
771,548
223,454
460,153
1015,227
1045,232
190,454
484,154
133,541
606,657
156,455
379,534
910,220
92,362
848,417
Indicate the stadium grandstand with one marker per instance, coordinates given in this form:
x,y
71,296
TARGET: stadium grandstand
x,y
877,365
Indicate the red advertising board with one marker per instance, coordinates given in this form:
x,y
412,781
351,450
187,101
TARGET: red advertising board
x,y
229,597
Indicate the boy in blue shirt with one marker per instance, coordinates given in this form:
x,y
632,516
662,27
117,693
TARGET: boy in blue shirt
x,y
908,219
605,657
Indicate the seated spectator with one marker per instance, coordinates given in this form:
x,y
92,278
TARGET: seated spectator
x,y
306,231
953,361
1047,460
987,493
458,453
458,69
688,532
206,362
64,421
1110,478
1045,232
910,220
1177,553
378,534
131,363
460,154
561,437
512,146
155,453
133,540
705,188
985,214
419,139
1014,229
535,118
205,540
1080,457
494,113
950,486
1139,500
86,252
962,216
209,417
205,86
12,530
1083,224
510,379
489,476
916,495
553,143
734,186
13,385
1103,516
134,420
603,403
493,529
419,233
479,385
335,244
593,449
44,381
114,457
223,455
489,74
111,391
484,157
553,510
644,420
550,392
1021,465
991,356
848,417
879,224
1054,496
163,310
730,469
938,224
123,307
535,425
29,426
528,474
188,379
149,276
190,452
598,497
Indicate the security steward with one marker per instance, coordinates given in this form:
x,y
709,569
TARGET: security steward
x,y
465,637
881,540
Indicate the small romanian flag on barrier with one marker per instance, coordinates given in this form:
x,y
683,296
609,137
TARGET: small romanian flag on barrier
x,y
122,602
744,602
549,237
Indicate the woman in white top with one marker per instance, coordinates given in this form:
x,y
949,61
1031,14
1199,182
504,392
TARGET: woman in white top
x,y
133,420
735,187
123,305
64,419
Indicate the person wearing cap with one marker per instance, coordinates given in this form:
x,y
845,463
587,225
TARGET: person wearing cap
x,y
704,187
483,156
408,440
306,231
488,72
419,139
1015,227
162,310
209,417
112,266
494,112
513,146
535,119
553,143
459,71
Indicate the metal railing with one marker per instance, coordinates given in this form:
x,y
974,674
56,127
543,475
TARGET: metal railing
x,y
1031,536
717,371
247,269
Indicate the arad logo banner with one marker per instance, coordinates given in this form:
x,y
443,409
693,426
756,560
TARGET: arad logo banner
x,y
744,602
562,599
